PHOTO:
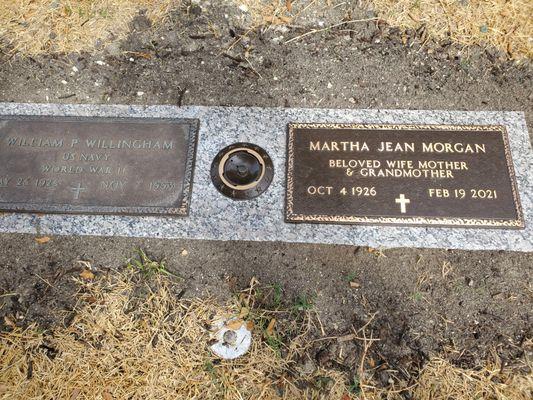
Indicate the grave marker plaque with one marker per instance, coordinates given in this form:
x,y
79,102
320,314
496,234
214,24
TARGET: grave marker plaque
x,y
401,175
96,165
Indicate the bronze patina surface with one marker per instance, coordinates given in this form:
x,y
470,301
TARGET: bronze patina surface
x,y
458,176
96,165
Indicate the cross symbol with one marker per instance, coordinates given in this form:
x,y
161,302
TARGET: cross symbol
x,y
402,201
77,190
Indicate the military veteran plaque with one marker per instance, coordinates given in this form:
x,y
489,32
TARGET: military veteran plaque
x,y
96,165
460,176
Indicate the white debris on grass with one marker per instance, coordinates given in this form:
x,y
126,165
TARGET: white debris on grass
x,y
233,338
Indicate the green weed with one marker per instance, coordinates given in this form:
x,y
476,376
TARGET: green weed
x,y
417,296
146,266
274,342
321,382
277,295
351,277
303,303
355,385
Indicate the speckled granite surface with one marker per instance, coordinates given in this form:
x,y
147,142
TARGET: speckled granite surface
x,y
213,216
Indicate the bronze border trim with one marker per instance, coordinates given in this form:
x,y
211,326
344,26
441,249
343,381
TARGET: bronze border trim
x,y
290,216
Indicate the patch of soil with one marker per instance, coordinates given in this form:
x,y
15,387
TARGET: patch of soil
x,y
205,59
420,302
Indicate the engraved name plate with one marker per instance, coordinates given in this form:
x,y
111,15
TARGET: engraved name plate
x,y
459,176
96,165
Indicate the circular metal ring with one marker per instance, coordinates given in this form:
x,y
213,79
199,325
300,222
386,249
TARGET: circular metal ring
x,y
242,171
226,157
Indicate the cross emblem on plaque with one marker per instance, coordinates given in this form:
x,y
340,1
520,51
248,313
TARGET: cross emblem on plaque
x,y
402,201
77,190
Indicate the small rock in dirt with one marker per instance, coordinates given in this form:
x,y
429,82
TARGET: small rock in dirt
x,y
42,240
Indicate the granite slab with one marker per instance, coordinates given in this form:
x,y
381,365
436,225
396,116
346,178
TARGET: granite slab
x,y
215,217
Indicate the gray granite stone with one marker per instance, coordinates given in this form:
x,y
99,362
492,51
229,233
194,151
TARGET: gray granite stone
x,y
213,216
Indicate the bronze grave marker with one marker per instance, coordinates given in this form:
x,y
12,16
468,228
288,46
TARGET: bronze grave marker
x,y
96,165
430,175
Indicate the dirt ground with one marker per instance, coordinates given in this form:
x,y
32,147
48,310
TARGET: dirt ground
x,y
202,59
427,301
458,303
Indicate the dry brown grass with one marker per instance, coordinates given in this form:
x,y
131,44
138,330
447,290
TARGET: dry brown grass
x,y
505,24
440,380
133,339
121,346
61,26
266,13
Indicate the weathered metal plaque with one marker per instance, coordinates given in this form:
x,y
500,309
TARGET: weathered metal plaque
x,y
401,175
96,165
